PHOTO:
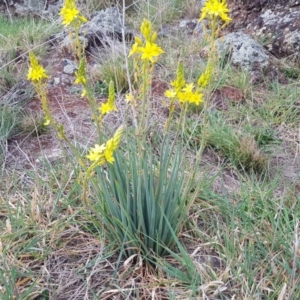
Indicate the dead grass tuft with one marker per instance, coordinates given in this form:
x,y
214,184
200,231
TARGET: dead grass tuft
x,y
251,157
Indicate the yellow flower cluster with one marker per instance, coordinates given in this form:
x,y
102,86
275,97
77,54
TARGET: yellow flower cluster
x,y
215,8
184,92
104,153
36,72
148,50
110,104
80,76
71,14
205,78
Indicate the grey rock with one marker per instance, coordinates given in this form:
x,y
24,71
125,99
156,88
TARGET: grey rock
x,y
188,25
242,50
46,8
36,4
54,9
165,31
281,30
104,26
56,81
199,29
276,23
22,10
192,26
69,66
65,46
57,38
50,155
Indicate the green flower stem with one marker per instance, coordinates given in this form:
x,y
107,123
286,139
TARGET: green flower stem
x,y
144,96
98,162
78,47
92,101
171,114
213,30
182,117
205,122
94,108
41,90
74,150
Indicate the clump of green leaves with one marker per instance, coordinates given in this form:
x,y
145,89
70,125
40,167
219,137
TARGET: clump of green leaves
x,y
143,201
114,69
292,73
7,79
32,124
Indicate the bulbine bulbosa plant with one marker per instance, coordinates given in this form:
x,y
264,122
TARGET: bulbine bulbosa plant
x,y
143,199
141,195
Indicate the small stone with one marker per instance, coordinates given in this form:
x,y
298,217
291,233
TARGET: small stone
x,y
56,81
199,29
69,66
51,156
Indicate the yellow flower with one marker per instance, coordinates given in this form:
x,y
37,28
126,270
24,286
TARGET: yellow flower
x,y
196,98
138,41
129,98
187,94
150,51
96,152
47,122
70,13
107,108
182,91
79,79
188,88
36,72
179,83
84,93
106,151
80,74
110,104
205,78
134,49
182,97
215,8
170,93
146,29
112,145
108,154
153,37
